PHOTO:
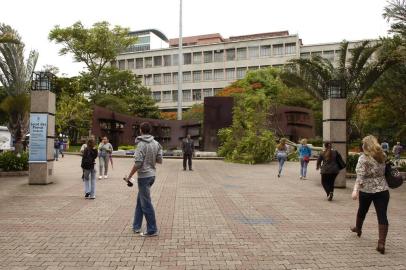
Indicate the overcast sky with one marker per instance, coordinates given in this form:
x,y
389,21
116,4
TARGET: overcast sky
x,y
316,21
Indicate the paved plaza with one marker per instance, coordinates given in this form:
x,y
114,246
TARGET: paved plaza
x,y
220,216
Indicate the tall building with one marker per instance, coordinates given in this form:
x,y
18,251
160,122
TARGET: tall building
x,y
210,62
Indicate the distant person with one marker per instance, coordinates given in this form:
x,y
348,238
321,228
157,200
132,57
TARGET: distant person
x,y
371,186
89,173
61,145
105,150
147,154
397,151
385,147
56,149
188,148
281,154
328,163
304,157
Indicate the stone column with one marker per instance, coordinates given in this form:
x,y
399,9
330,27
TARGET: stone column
x,y
335,130
43,103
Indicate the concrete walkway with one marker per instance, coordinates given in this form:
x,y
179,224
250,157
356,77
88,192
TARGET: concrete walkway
x,y
220,216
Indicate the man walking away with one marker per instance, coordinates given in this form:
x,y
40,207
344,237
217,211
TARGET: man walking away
x,y
385,147
147,154
397,150
188,148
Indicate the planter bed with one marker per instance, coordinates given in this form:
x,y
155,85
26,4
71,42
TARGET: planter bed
x,y
12,174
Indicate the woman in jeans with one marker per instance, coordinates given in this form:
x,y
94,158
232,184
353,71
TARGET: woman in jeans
x,y
370,186
105,150
281,154
328,164
304,156
89,173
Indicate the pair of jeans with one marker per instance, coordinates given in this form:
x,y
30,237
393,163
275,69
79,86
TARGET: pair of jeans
x,y
327,181
380,200
56,153
281,159
103,164
144,205
303,167
187,157
89,179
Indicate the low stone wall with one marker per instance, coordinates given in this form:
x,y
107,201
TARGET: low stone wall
x,y
14,174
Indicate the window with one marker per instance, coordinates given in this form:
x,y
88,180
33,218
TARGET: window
x,y
338,54
207,92
148,79
218,74
278,49
329,55
130,63
113,64
208,57
175,59
316,54
157,79
187,58
197,76
230,74
175,77
207,75
139,63
217,90
230,54
148,62
166,96
157,61
241,53
253,52
156,96
187,76
290,48
266,50
187,96
167,78
197,94
253,68
241,72
197,57
305,55
175,95
167,60
121,64
218,55
144,39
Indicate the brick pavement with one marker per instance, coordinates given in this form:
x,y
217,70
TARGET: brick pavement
x,y
221,216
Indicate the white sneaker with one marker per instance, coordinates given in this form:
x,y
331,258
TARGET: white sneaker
x,y
105,177
100,177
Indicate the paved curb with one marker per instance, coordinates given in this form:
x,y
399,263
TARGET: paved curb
x,y
165,157
11,174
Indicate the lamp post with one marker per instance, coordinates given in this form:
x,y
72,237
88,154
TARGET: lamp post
x,y
180,62
42,128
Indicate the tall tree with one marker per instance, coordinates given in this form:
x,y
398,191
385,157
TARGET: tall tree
x,y
395,12
95,46
15,76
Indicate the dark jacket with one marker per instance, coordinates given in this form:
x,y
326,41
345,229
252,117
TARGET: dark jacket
x,y
188,146
88,158
328,166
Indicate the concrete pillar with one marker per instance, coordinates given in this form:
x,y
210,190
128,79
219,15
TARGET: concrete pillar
x,y
335,130
42,142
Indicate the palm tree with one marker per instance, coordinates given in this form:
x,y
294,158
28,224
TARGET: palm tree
x,y
15,76
356,72
395,12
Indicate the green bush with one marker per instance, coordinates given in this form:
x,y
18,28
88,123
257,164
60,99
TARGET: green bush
x,y
402,166
352,161
316,141
293,156
126,147
11,162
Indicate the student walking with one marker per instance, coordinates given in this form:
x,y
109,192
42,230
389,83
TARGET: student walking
x,y
56,149
147,154
304,157
188,148
105,150
371,187
330,163
61,147
397,150
89,173
281,154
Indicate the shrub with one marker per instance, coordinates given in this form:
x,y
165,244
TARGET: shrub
x,y
126,147
316,141
352,161
402,166
9,161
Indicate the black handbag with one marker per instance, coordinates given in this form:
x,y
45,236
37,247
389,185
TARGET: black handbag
x,y
340,162
392,176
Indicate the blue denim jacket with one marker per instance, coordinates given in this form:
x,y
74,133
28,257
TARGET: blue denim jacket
x,y
304,151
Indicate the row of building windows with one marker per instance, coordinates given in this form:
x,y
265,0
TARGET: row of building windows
x,y
227,74
187,95
329,55
233,54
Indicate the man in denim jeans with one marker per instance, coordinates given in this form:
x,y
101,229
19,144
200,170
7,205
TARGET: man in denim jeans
x,y
147,154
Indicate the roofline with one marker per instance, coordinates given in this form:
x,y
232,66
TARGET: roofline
x,y
339,42
157,32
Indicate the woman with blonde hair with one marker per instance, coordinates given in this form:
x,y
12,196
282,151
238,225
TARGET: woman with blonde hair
x,y
281,154
304,156
371,186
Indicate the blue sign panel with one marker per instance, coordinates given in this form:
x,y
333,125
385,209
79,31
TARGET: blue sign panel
x,y
38,137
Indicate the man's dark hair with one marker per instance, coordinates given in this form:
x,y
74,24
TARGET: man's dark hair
x,y
145,128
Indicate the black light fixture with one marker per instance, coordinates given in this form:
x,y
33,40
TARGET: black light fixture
x,y
335,89
43,81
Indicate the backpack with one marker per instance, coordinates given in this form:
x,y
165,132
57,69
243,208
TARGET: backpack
x,y
87,160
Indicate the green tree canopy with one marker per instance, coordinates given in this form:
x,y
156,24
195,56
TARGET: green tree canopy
x,y
395,12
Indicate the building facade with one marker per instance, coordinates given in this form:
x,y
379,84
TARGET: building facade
x,y
210,62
